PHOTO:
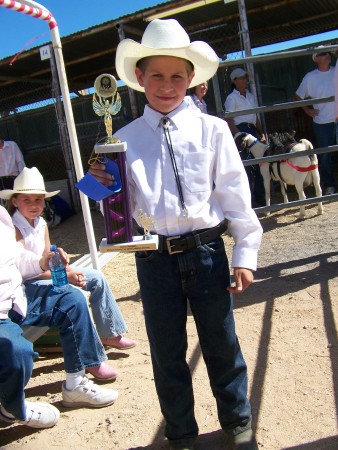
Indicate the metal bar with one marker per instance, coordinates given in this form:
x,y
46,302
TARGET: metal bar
x,y
283,156
278,106
307,201
278,55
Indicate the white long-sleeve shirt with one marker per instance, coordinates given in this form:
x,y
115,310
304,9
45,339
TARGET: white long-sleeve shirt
x,y
11,159
15,263
214,183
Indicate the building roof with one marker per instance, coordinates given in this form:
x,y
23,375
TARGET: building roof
x,y
90,52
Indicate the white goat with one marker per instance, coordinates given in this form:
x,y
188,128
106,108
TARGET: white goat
x,y
300,171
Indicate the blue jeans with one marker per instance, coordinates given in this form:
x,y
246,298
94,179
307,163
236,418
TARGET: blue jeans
x,y
69,313
325,136
253,172
107,316
106,313
16,366
167,282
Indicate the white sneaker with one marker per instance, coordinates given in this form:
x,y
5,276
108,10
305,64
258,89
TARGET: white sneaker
x,y
88,394
329,191
38,415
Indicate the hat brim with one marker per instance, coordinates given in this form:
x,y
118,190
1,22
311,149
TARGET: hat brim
x,y
6,194
199,53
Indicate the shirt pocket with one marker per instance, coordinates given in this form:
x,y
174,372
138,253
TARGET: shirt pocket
x,y
197,171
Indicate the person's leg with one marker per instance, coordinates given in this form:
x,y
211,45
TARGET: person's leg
x,y
67,311
16,366
80,342
165,312
211,305
325,136
107,316
253,172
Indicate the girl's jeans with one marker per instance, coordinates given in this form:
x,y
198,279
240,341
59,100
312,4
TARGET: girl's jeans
x,y
67,311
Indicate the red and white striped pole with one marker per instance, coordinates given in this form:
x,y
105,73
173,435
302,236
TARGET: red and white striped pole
x,y
38,11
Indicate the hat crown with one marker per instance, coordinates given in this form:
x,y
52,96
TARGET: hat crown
x,y
237,73
29,180
165,34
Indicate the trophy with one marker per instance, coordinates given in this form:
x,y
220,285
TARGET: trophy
x,y
111,152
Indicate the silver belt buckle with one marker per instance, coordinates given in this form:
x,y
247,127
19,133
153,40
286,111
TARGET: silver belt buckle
x,y
170,245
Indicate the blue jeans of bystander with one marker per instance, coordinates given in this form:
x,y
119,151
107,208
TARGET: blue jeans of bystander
x,y
201,277
16,365
325,136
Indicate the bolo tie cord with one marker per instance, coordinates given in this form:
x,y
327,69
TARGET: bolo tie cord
x,y
165,125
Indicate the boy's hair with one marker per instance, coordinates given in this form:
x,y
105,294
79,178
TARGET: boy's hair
x,y
143,62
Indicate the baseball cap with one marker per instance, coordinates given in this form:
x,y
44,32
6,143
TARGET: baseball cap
x,y
237,73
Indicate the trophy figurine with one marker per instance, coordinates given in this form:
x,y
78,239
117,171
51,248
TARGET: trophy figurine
x,y
147,224
111,152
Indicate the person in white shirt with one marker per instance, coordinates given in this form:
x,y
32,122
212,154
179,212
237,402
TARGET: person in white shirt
x,y
184,172
240,99
316,84
11,163
197,94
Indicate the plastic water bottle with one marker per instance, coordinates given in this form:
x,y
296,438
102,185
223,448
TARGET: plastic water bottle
x,y
58,271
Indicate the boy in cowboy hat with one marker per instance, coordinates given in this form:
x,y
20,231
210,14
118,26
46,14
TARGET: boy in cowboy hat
x,y
184,171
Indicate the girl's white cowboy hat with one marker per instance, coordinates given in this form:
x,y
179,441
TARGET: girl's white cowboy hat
x,y
165,38
29,181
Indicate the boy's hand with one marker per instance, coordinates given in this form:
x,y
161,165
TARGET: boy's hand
x,y
98,171
243,278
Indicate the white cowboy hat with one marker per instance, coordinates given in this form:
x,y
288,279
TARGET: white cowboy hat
x,y
29,181
165,38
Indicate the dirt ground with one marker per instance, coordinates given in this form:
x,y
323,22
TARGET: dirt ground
x,y
287,326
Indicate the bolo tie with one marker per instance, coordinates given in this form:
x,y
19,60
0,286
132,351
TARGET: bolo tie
x,y
165,125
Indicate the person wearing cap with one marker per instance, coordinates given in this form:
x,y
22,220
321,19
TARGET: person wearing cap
x,y
184,172
317,84
11,163
241,98
66,310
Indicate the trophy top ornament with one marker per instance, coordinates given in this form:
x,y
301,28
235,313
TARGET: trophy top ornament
x,y
105,87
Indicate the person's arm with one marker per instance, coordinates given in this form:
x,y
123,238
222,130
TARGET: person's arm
x,y
309,110
260,129
20,162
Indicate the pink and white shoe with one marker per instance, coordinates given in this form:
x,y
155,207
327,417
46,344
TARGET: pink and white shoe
x,y
103,372
119,342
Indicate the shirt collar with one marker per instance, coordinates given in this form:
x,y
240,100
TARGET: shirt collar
x,y
153,118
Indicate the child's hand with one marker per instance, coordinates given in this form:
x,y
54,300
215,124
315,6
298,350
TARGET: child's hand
x,y
98,172
242,279
64,257
76,278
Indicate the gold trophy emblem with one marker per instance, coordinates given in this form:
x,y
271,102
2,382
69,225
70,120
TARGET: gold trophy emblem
x,y
105,88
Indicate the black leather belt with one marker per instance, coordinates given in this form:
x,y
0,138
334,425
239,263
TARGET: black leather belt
x,y
179,244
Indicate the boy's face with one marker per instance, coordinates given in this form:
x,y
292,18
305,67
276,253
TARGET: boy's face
x,y
165,80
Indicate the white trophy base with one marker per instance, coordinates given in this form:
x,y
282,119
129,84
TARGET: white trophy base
x,y
118,147
138,244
